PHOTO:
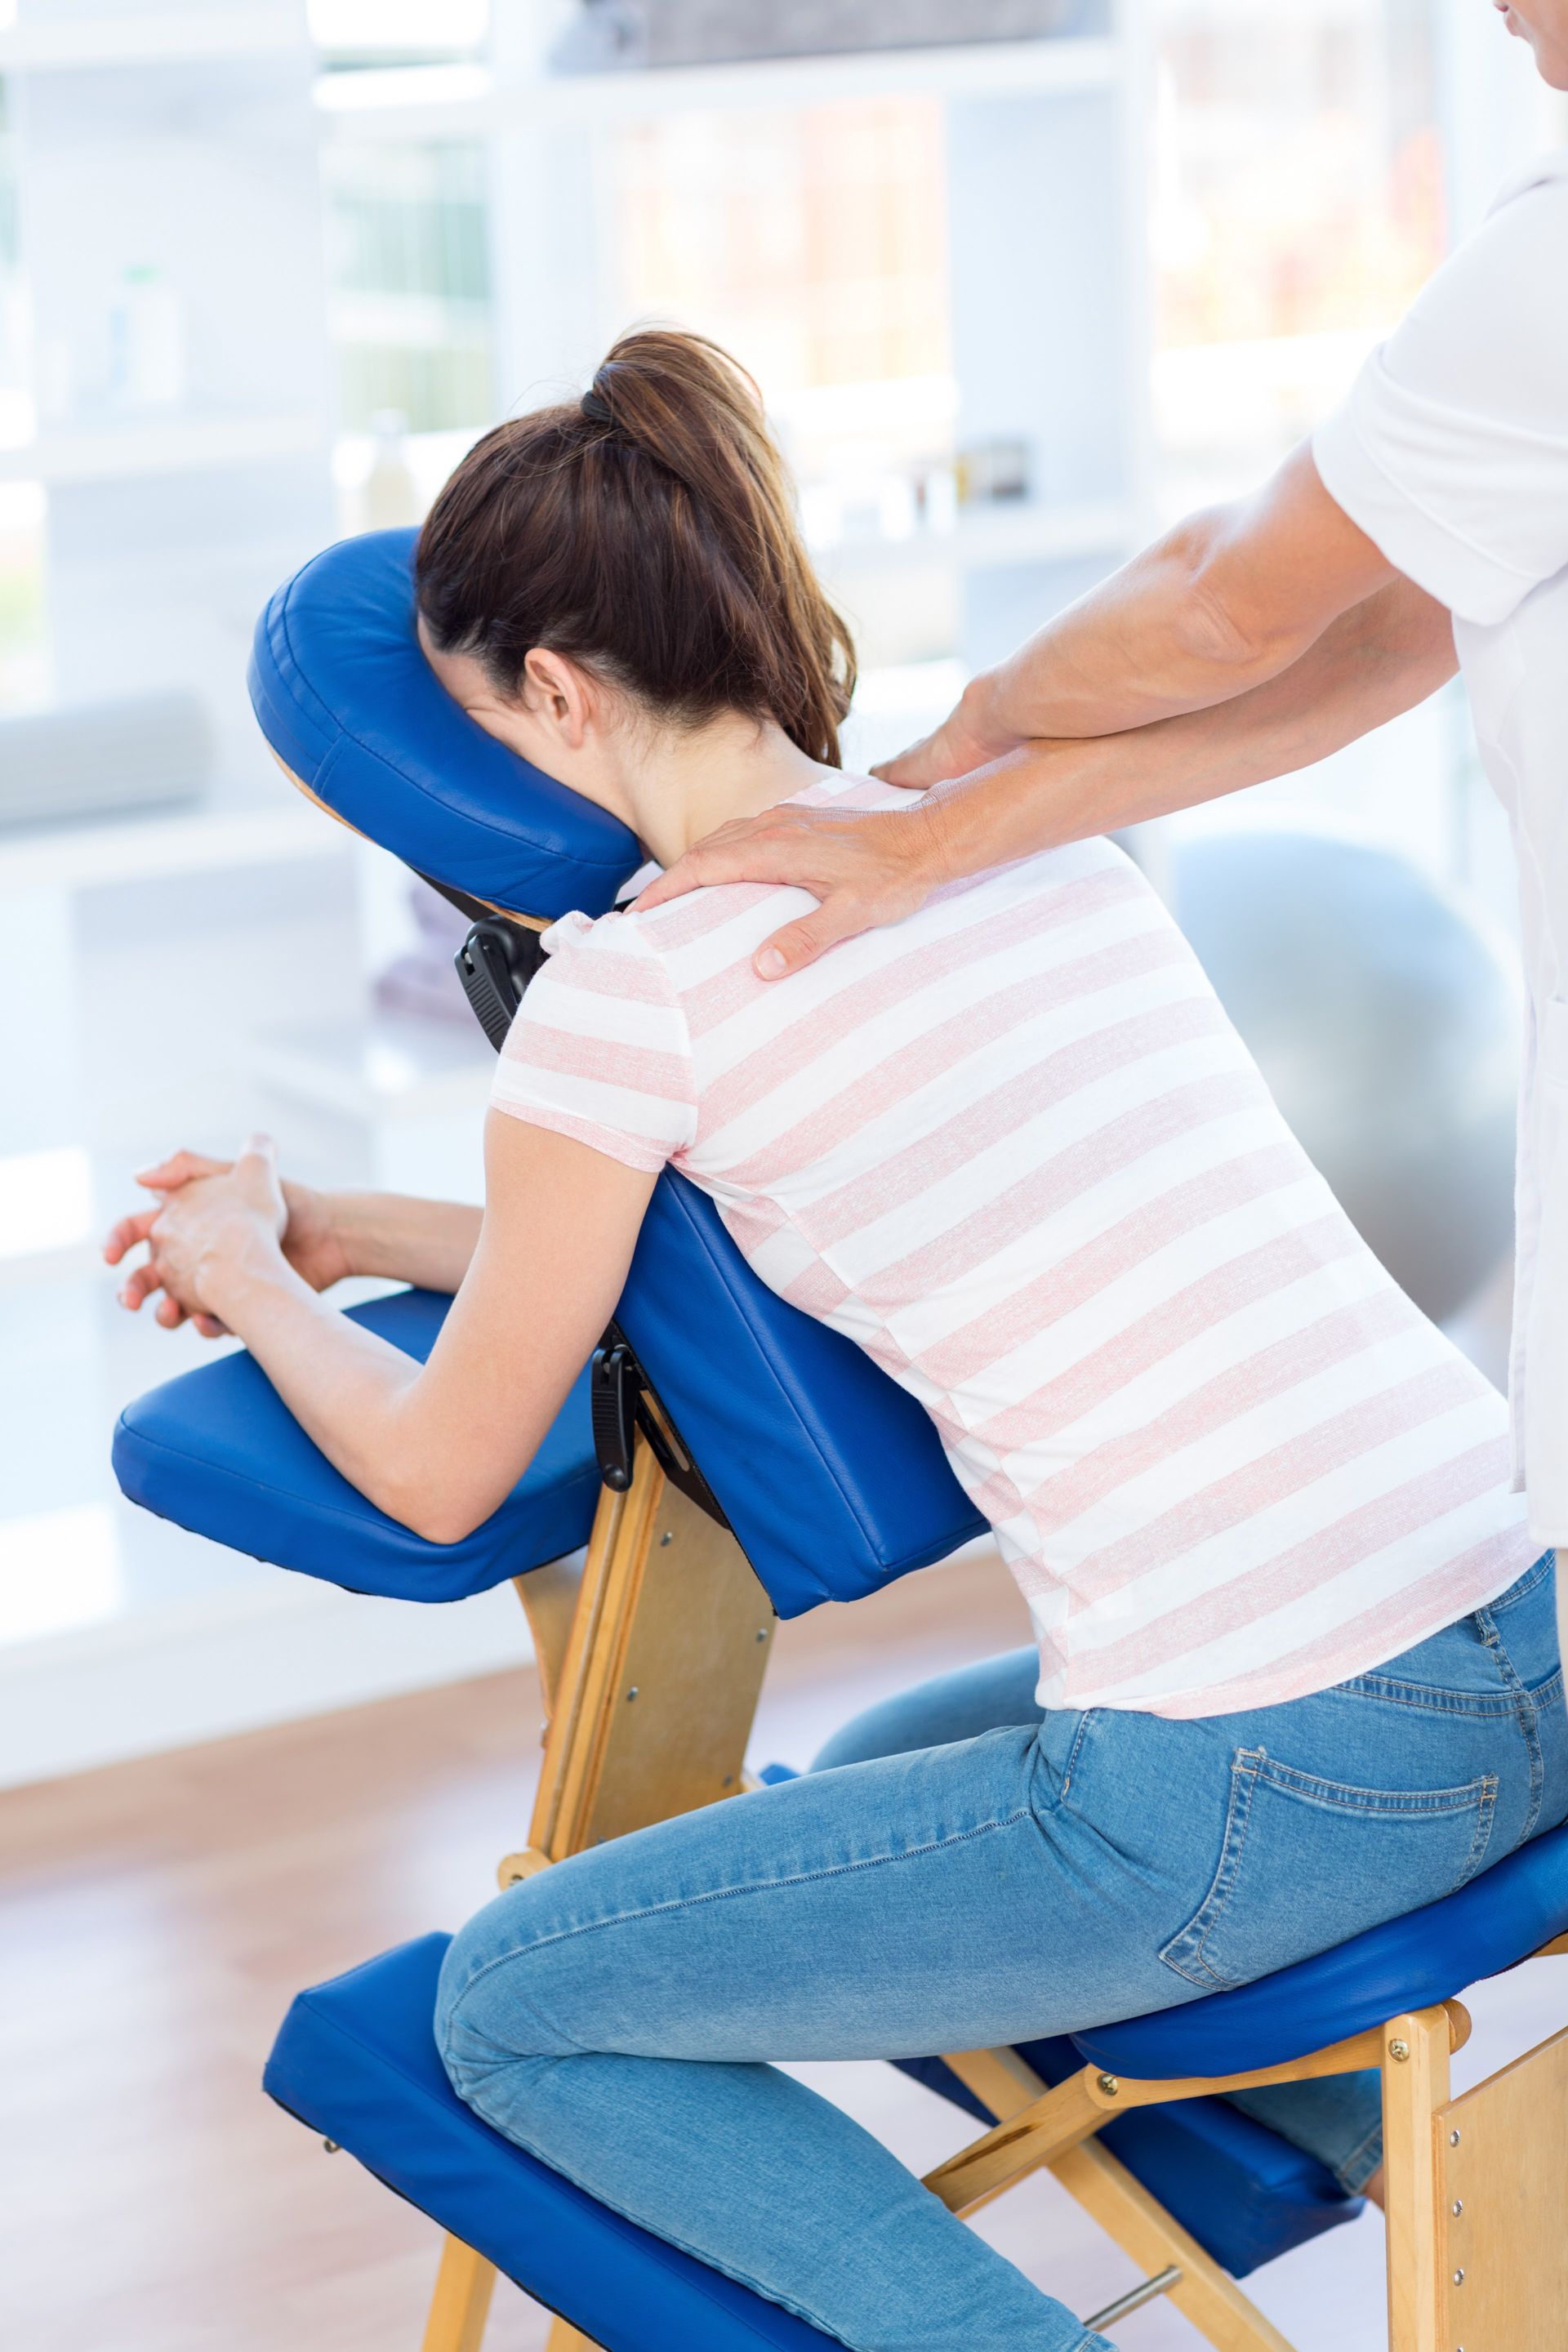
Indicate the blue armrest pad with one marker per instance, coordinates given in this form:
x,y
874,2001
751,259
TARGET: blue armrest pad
x,y
356,2060
217,1452
347,700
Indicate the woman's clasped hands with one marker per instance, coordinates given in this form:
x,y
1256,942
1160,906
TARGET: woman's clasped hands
x,y
216,1224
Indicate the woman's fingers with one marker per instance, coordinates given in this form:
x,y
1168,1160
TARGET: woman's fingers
x,y
140,1285
127,1234
179,1169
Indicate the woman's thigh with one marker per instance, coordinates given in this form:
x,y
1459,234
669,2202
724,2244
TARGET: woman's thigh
x,y
988,1695
909,1904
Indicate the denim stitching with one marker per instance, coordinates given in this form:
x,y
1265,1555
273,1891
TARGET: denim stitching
x,y
1527,1714
1078,1740
727,1893
668,2237
1485,1814
1430,1697
1190,1941
1412,1805
1186,1953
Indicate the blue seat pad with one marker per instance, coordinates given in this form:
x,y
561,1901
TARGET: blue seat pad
x,y
349,703
1245,2194
1426,1956
217,1452
356,2060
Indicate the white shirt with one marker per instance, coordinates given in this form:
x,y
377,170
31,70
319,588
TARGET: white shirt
x,y
1451,453
1013,1149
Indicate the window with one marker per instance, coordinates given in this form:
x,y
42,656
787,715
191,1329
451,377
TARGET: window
x,y
1298,207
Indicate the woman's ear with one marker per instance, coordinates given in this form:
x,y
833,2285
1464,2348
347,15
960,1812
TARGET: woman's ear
x,y
559,696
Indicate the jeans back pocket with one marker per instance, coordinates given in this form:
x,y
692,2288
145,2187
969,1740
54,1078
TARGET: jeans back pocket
x,y
1307,1863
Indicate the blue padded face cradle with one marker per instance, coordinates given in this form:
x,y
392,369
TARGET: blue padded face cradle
x,y
352,708
215,1450
1426,1956
356,2061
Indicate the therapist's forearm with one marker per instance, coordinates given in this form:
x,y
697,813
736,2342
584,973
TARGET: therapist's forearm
x,y
1374,662
1226,601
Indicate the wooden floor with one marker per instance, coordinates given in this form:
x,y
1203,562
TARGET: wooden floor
x,y
157,1918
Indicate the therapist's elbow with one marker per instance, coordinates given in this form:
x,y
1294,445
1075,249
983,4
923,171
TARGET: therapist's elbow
x,y
1229,634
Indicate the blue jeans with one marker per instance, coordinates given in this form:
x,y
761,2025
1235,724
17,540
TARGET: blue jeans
x,y
615,2015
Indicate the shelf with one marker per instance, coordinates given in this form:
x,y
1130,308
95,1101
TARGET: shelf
x,y
1001,534
149,36
410,103
93,856
121,448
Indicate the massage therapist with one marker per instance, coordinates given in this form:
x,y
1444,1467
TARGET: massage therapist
x,y
1424,527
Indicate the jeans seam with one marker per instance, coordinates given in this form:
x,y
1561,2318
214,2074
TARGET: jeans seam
x,y
728,1894
694,2253
1527,1714
1246,1765
1432,1700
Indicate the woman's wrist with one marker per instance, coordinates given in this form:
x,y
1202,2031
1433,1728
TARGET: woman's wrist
x,y
233,1278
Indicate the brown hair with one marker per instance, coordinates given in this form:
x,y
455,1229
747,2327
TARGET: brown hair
x,y
646,531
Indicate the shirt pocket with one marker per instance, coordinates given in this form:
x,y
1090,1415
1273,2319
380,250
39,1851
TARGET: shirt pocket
x,y
1307,1863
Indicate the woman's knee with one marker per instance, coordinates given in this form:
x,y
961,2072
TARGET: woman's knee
x,y
488,1998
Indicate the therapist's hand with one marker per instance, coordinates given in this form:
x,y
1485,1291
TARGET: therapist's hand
x,y
967,739
866,866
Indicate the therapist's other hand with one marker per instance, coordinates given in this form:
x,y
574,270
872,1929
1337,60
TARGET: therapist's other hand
x,y
965,741
866,867
255,1215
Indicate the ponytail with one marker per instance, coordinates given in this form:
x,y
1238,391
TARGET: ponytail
x,y
647,532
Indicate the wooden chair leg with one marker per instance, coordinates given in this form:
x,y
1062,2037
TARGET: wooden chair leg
x,y
1415,2064
1204,2293
564,2337
461,2303
654,1686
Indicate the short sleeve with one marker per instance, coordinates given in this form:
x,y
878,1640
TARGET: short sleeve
x,y
599,1049
1451,451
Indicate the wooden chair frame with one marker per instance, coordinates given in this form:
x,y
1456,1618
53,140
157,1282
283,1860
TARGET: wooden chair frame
x,y
651,1656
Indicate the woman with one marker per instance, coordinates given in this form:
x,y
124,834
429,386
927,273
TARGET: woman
x,y
1426,524
1257,1504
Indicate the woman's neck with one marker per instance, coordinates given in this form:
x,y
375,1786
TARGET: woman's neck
x,y
681,785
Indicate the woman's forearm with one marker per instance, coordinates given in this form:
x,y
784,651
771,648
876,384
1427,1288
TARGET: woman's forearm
x,y
1371,664
401,1239
348,1388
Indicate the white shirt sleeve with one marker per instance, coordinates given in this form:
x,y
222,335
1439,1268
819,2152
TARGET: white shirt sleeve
x,y
599,1049
1451,451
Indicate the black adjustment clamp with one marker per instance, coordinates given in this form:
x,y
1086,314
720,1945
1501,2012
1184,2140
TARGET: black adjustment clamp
x,y
613,1388
486,969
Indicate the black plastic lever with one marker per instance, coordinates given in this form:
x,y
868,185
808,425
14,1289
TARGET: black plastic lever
x,y
612,1402
486,969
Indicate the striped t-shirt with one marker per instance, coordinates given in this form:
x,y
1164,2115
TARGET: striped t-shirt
x,y
1014,1149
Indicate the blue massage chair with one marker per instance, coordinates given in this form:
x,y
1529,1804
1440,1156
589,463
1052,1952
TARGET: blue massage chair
x,y
724,1461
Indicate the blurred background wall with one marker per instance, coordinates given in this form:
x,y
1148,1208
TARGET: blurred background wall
x,y
1020,280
